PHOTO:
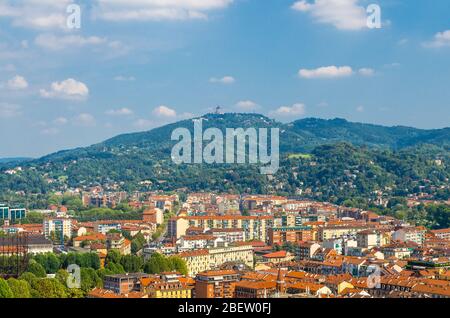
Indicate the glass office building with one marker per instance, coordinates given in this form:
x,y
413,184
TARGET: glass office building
x,y
12,214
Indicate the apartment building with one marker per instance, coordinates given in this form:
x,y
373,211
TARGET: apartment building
x,y
254,227
281,235
57,229
208,259
411,234
216,284
332,232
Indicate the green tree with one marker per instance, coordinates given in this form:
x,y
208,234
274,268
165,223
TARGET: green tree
x,y
20,288
132,263
61,276
178,264
28,277
37,269
113,257
89,279
48,288
5,290
115,268
157,264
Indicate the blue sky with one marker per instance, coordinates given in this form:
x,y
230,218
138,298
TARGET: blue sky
x,y
135,65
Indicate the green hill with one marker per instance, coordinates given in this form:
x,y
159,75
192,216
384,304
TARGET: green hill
x,y
327,159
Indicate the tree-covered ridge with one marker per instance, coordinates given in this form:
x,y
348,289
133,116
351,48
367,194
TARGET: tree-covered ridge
x,y
323,159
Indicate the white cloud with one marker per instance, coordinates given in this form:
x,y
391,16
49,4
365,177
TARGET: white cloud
x,y
84,119
285,111
326,72
441,39
36,14
50,131
9,110
342,14
67,89
56,43
223,80
17,83
122,78
360,109
61,121
366,71
164,111
120,112
157,10
144,124
247,105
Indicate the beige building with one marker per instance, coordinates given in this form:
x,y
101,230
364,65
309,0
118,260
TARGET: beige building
x,y
254,227
207,259
332,232
177,227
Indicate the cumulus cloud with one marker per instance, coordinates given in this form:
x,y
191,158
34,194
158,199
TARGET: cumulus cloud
x,y
247,105
50,131
17,83
326,72
119,112
157,10
440,39
223,80
56,43
84,119
36,14
68,89
61,121
342,14
164,111
297,109
121,78
366,71
360,109
10,110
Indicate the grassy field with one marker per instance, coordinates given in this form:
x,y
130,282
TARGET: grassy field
x,y
299,156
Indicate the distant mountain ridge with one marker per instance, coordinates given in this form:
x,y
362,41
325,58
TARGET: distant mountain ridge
x,y
302,135
322,159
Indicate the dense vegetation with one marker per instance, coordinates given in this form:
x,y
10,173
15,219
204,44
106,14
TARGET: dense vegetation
x,y
35,282
332,160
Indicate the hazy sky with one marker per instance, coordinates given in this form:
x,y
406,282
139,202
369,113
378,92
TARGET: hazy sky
x,y
134,65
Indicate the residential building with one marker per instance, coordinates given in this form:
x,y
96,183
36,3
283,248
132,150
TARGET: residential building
x,y
207,259
118,242
284,234
57,229
124,283
259,289
177,227
254,227
442,234
410,234
216,284
306,250
278,257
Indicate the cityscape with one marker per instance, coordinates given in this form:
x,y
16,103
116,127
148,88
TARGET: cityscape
x,y
225,155
210,245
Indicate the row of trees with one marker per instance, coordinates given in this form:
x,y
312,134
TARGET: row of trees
x,y
36,283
